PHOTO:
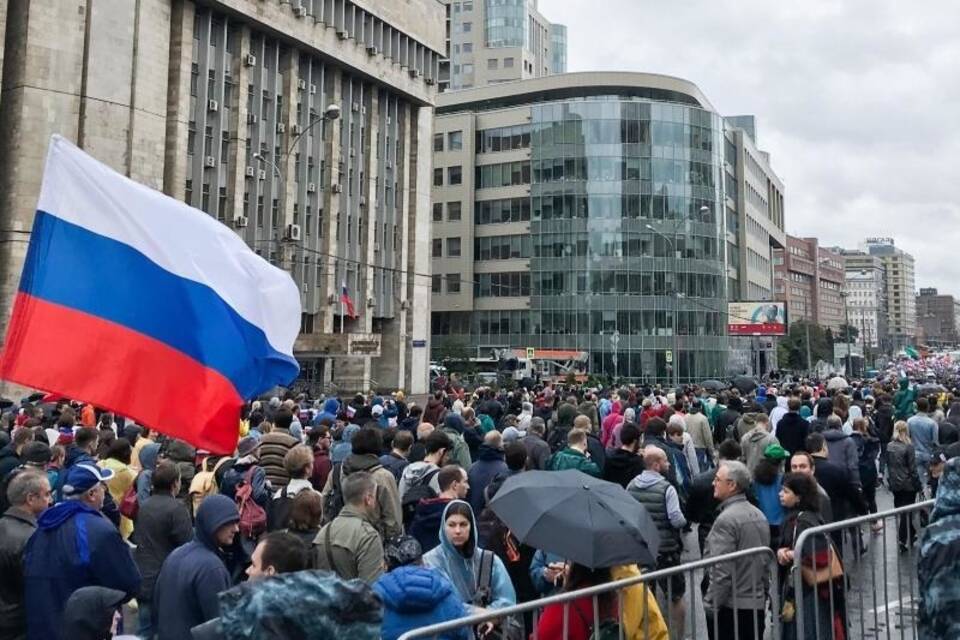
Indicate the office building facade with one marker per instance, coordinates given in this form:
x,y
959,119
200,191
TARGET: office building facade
x,y
866,298
227,105
493,41
900,278
568,210
936,318
811,280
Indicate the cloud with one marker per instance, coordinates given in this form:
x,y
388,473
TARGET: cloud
x,y
856,101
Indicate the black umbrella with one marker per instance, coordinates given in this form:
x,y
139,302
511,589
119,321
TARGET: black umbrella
x,y
580,518
746,384
930,387
713,385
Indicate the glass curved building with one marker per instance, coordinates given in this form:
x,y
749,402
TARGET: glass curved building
x,y
583,212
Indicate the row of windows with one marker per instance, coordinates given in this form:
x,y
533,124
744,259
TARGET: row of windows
x,y
616,168
453,211
504,138
627,207
454,141
624,131
649,283
449,283
618,245
453,248
504,210
616,107
504,174
502,285
454,176
502,247
494,63
642,323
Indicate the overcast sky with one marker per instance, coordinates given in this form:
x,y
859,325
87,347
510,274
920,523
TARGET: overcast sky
x,y
858,102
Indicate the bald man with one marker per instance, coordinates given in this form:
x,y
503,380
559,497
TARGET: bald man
x,y
654,491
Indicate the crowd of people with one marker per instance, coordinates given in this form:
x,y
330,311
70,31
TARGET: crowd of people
x,y
377,500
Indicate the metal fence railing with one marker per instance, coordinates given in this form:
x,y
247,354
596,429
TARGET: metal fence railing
x,y
746,620
875,597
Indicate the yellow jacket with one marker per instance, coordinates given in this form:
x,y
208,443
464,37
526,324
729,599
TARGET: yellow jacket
x,y
123,478
642,619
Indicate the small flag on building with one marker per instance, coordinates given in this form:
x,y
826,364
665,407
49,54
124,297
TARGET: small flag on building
x,y
137,303
346,301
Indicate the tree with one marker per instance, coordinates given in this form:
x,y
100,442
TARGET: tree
x,y
792,350
455,354
848,333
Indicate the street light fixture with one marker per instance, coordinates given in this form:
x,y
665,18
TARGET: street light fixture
x,y
676,305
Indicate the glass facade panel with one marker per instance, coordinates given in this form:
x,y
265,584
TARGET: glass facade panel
x,y
505,23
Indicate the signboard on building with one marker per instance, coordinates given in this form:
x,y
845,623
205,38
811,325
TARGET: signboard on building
x,y
344,345
766,318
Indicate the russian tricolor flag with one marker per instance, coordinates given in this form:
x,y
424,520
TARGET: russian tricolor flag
x,y
346,301
140,304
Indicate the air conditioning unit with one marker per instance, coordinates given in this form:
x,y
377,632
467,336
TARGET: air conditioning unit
x,y
353,152
389,164
262,174
240,222
331,299
373,50
389,120
250,172
363,201
301,84
313,89
415,73
293,232
376,246
337,188
210,161
251,118
371,302
355,107
311,187
295,129
250,60
281,127
213,105
300,12
342,34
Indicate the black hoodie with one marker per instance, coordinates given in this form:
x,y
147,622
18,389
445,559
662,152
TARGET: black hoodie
x,y
622,466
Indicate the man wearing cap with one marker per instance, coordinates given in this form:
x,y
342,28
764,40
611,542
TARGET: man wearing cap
x,y
74,546
193,575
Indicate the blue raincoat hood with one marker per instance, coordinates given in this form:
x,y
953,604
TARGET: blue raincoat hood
x,y
413,589
214,512
61,512
148,456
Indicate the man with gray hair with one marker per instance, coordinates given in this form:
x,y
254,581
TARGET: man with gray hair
x,y
28,494
743,582
538,451
350,545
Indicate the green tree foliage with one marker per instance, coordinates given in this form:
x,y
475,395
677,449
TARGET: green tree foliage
x,y
792,350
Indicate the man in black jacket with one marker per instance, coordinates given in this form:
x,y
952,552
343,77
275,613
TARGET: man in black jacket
x,y
163,524
792,429
624,464
727,418
701,505
29,494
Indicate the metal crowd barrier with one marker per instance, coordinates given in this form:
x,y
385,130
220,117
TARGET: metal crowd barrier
x,y
697,623
876,596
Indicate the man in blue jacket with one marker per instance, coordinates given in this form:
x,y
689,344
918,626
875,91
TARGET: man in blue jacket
x,y
74,546
193,575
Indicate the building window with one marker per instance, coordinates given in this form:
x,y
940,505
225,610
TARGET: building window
x,y
467,27
468,47
436,283
438,142
493,64
438,212
453,283
453,211
453,247
437,248
438,177
468,6
454,175
508,63
455,140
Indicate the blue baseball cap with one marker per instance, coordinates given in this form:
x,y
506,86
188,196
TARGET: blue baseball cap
x,y
83,477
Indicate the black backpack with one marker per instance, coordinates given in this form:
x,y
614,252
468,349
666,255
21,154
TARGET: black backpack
x,y
415,493
333,503
279,510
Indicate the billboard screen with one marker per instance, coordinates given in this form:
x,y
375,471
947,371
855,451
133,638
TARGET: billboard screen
x,y
767,318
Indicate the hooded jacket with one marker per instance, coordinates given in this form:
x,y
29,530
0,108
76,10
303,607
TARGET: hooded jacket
x,y
415,597
16,527
148,463
354,546
74,546
9,460
792,431
753,443
622,466
194,574
163,524
387,516
427,520
412,475
184,456
434,411
331,407
453,427
778,412
842,451
571,458
490,463
904,401
938,568
463,567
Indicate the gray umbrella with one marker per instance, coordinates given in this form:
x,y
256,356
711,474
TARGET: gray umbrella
x,y
580,518
713,385
746,384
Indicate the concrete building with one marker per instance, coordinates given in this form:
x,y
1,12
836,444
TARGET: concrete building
x,y
811,279
568,209
221,103
936,318
492,41
899,274
865,287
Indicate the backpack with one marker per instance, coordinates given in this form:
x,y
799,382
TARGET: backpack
x,y
253,517
130,504
204,484
415,493
279,511
609,628
333,502
509,627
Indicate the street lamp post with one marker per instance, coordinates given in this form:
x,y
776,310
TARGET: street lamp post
x,y
846,331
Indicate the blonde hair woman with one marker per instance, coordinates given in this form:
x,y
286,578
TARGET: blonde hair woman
x,y
903,480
